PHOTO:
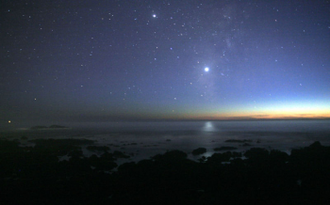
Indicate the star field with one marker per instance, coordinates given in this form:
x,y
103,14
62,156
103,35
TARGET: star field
x,y
156,60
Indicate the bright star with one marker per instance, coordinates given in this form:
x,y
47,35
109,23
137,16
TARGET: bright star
x,y
206,69
154,15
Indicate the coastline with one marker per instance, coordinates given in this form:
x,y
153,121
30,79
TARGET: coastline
x,y
255,176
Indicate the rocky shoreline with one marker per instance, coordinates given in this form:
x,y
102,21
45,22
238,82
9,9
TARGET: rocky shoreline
x,y
257,176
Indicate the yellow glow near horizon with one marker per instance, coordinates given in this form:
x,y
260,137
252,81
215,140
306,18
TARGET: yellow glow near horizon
x,y
296,110
278,111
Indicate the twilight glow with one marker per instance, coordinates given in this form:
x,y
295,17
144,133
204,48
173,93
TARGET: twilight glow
x,y
164,60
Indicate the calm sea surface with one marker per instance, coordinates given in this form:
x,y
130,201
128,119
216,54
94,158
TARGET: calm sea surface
x,y
213,126
142,140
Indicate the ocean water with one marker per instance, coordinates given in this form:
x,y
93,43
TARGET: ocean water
x,y
212,126
141,140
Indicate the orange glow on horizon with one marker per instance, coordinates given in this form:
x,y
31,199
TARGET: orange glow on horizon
x,y
293,114
280,111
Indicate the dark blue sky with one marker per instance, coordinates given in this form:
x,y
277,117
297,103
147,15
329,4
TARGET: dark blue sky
x,y
133,60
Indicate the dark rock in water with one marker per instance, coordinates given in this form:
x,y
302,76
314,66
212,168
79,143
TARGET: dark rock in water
x,y
314,154
217,158
60,147
57,127
119,154
246,144
145,163
277,157
62,142
256,153
315,145
41,127
224,148
8,146
265,177
238,141
198,151
126,167
202,159
38,127
104,163
108,156
98,148
76,153
174,155
236,154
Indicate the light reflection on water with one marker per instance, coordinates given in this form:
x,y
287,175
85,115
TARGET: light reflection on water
x,y
145,139
209,127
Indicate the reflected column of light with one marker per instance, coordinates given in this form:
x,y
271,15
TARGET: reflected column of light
x,y
208,127
207,139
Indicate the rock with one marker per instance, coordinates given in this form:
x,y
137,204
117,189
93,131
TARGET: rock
x,y
218,158
199,151
224,148
256,153
98,148
57,127
38,127
118,154
174,155
238,141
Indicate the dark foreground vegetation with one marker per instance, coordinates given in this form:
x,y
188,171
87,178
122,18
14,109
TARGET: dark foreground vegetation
x,y
34,175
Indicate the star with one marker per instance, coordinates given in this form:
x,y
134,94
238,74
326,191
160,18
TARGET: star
x,y
190,58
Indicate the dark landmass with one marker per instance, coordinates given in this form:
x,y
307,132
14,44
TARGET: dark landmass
x,y
98,148
40,127
59,147
238,141
57,127
118,154
199,151
24,138
36,175
224,148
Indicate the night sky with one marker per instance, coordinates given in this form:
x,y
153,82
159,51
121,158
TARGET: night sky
x,y
81,61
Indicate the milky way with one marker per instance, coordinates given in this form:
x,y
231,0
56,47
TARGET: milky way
x,y
155,60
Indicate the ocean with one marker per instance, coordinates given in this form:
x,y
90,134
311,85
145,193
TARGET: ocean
x,y
141,140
